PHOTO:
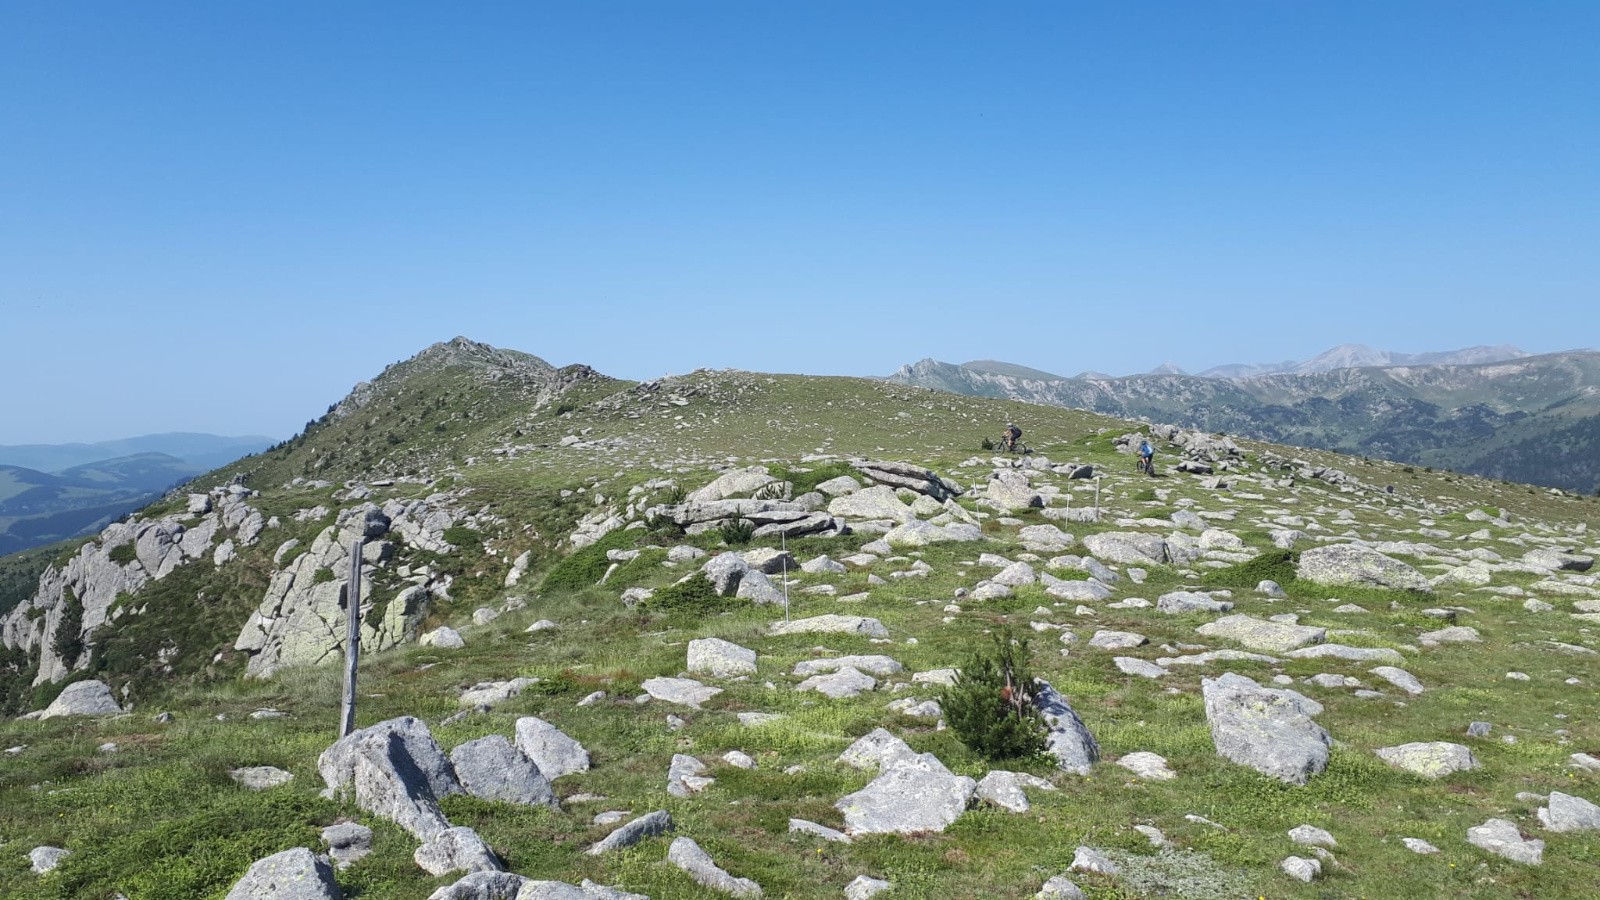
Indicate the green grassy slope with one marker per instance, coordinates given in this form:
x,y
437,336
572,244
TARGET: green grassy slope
x,y
159,818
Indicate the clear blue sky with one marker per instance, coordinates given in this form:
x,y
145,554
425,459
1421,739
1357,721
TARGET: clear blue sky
x,y
219,216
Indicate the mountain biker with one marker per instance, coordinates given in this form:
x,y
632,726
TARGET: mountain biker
x,y
1146,456
1010,437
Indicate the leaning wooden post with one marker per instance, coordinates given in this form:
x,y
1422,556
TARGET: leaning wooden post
x,y
352,645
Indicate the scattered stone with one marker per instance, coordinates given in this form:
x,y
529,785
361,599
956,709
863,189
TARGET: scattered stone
x,y
1501,837
1148,766
457,849
1429,759
83,698
1419,846
1088,859
396,771
296,874
687,855
491,768
550,749
44,860
1312,836
1456,634
1004,789
841,685
1059,887
1400,678
491,886
646,826
1178,602
1353,564
1069,740
832,624
720,658
864,887
684,776
1569,813
1301,869
801,826
909,795
1130,665
260,778
1340,651
1269,637
1117,640
682,691
443,638
1267,729
347,842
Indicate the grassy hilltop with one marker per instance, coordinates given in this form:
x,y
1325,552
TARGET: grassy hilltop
x,y
531,452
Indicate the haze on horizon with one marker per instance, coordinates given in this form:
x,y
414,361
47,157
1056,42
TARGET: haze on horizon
x,y
219,218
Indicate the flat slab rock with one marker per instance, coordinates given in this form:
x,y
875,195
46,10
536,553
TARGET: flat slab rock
x,y
1004,789
872,665
550,748
1265,729
1354,654
646,826
832,624
720,658
840,685
909,796
1434,759
682,691
1263,635
1501,837
1568,813
1178,602
1358,566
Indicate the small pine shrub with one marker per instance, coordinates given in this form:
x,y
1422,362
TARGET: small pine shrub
x,y
323,576
1145,495
68,640
463,537
990,705
986,444
1275,565
737,532
696,595
122,554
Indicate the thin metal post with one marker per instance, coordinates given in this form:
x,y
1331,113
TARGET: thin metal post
x,y
352,652
1097,498
783,542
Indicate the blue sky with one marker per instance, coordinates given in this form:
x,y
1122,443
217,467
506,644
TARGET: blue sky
x,y
218,217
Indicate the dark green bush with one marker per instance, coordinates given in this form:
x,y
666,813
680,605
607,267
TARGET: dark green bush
x,y
986,444
68,640
584,568
1274,565
990,705
735,532
122,554
697,595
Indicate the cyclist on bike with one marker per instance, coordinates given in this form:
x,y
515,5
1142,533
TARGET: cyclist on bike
x,y
1010,437
1146,457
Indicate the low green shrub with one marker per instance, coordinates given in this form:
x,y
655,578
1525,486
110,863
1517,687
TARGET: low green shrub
x,y
583,568
736,532
1274,565
122,554
990,705
696,594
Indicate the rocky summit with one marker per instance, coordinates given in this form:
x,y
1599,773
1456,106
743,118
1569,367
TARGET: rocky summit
x,y
697,637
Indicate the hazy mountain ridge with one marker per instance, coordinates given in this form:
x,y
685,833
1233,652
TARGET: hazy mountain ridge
x,y
1459,416
38,508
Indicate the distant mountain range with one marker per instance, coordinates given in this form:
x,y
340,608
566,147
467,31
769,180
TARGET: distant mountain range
x,y
51,492
1344,356
1534,419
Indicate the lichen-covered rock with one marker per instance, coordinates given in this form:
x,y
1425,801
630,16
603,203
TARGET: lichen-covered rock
x,y
1068,740
491,768
723,659
1260,634
395,770
1434,759
908,796
1568,813
1501,837
296,874
549,748
1358,566
646,826
687,855
456,849
1268,730
832,624
83,698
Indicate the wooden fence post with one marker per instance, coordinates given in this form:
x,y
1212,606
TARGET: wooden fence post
x,y
352,651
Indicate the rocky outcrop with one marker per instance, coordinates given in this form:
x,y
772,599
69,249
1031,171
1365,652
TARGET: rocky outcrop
x,y
83,698
906,475
124,558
